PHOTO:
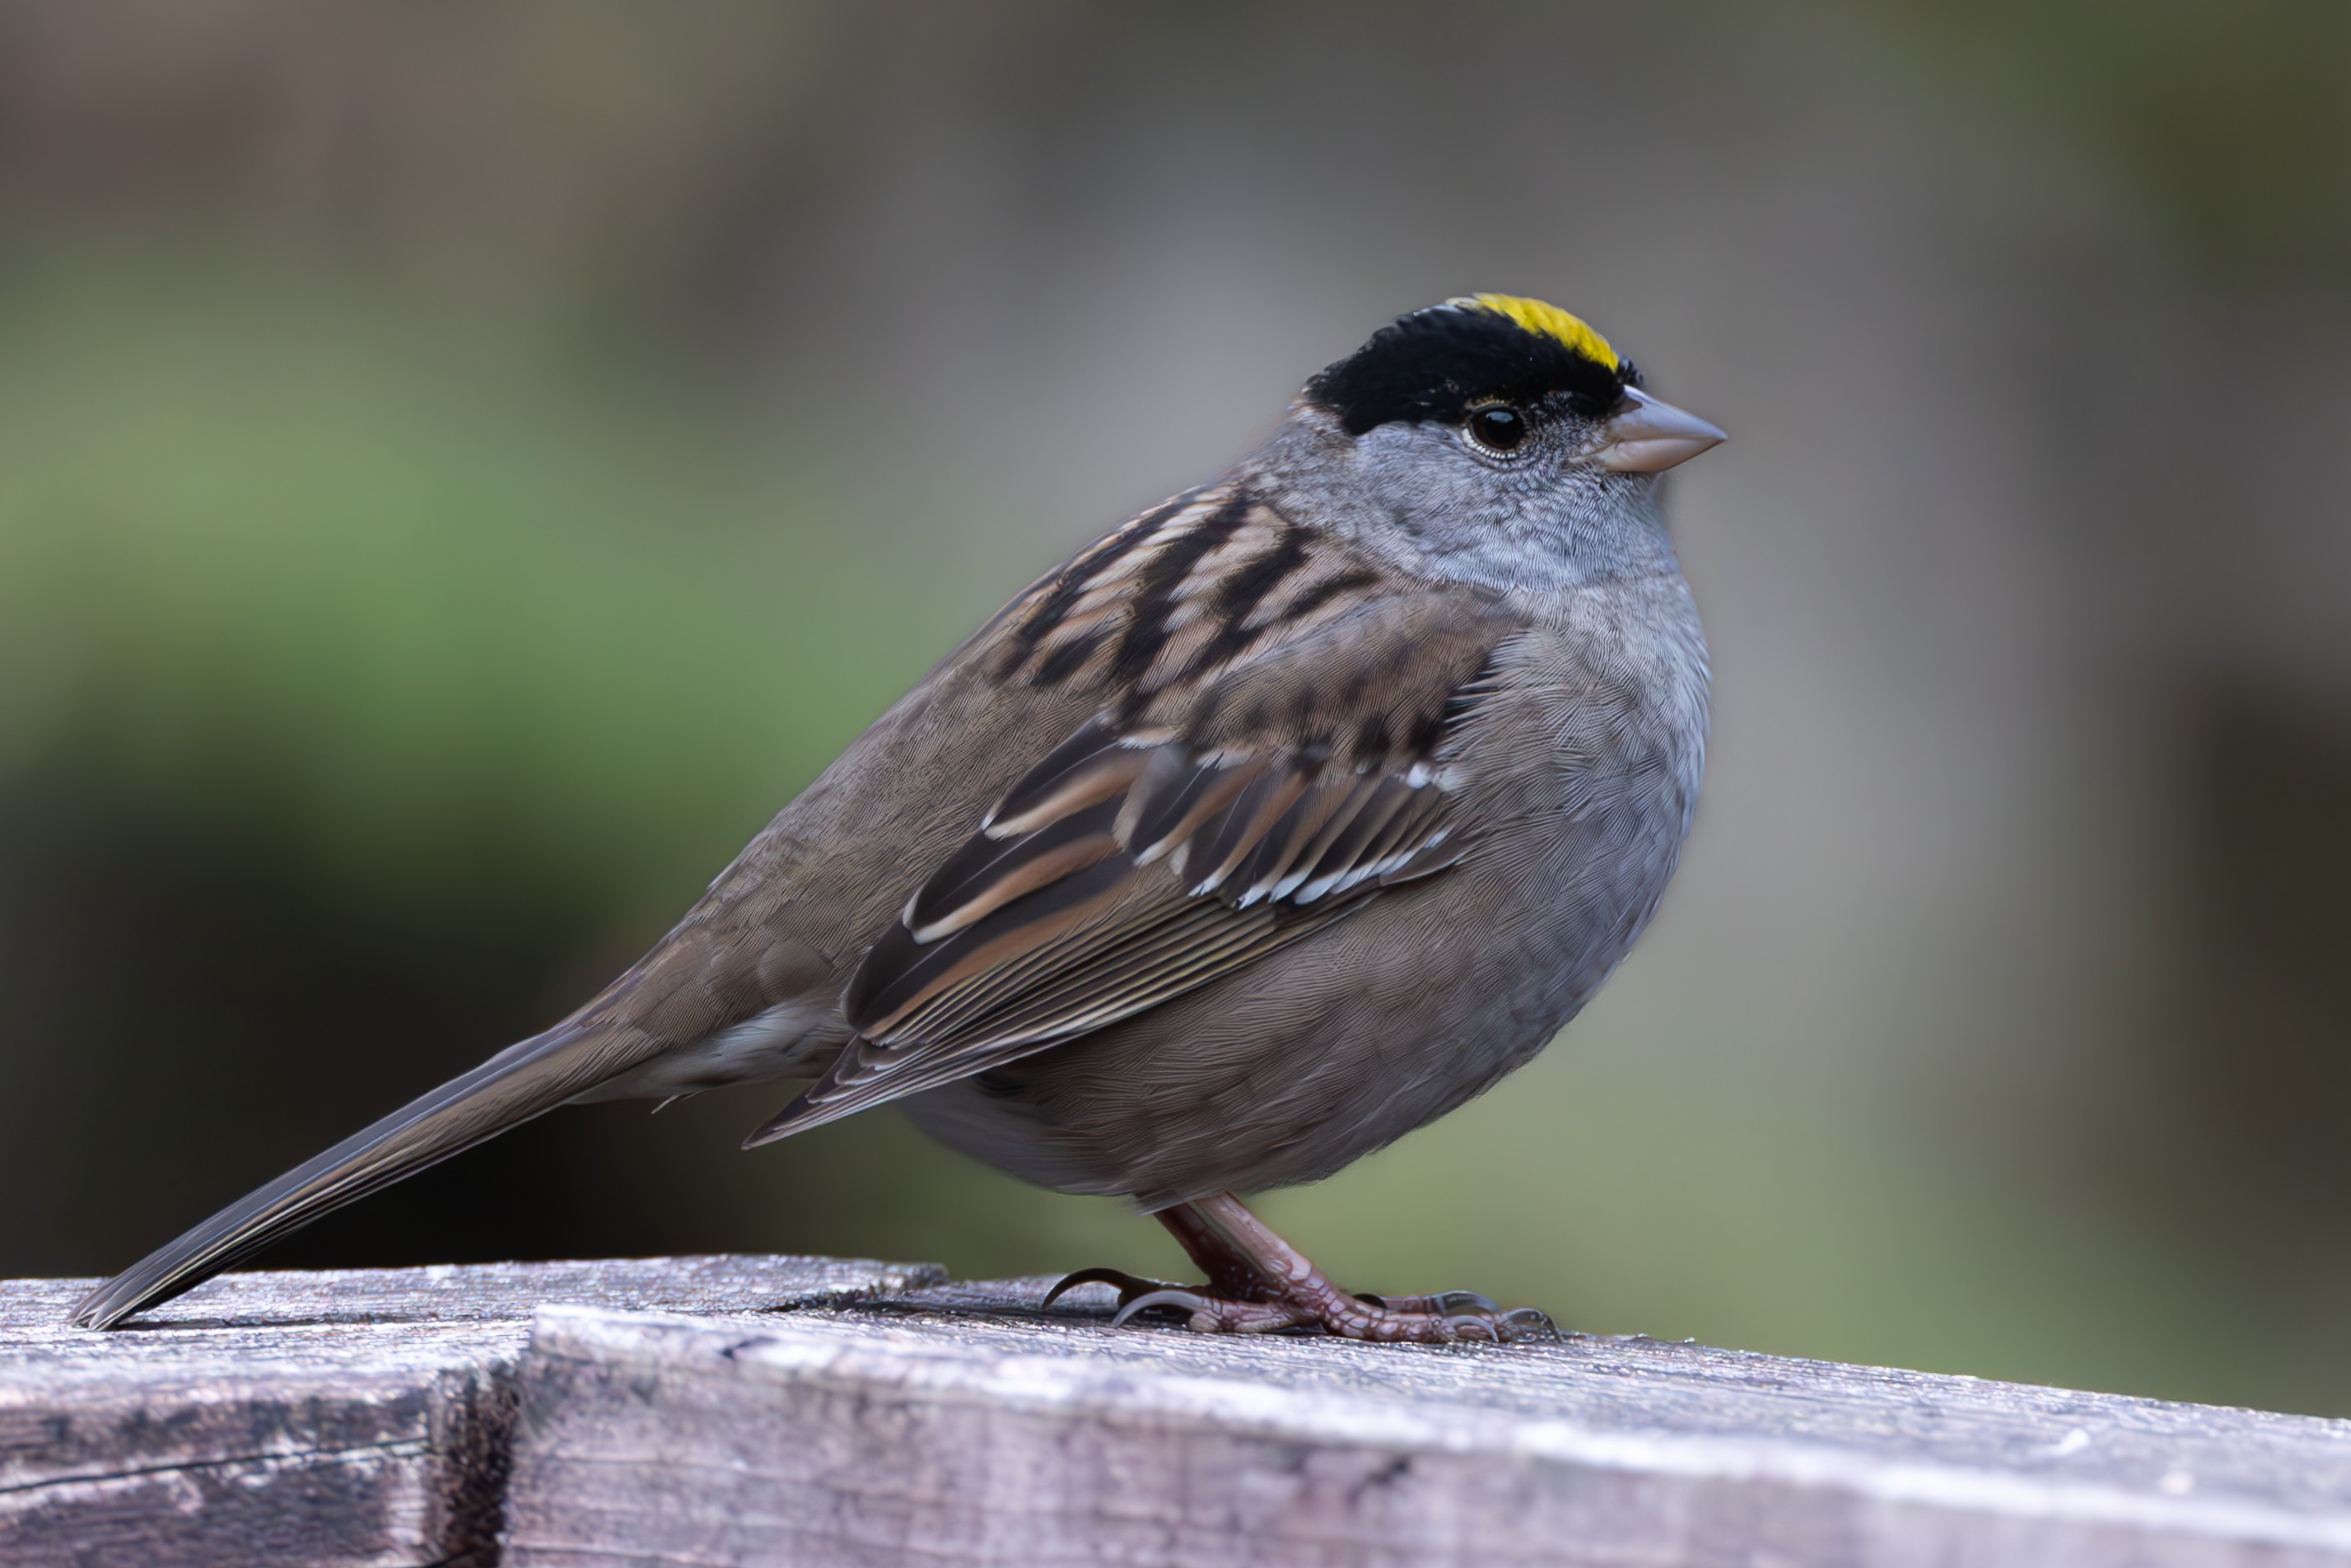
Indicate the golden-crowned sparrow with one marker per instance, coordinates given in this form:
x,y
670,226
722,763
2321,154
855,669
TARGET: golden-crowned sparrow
x,y
1276,824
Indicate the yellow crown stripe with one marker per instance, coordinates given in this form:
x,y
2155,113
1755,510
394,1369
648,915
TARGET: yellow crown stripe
x,y
1547,321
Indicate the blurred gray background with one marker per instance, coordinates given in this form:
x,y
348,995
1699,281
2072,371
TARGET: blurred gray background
x,y
463,468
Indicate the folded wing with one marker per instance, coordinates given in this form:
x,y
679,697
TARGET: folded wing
x,y
1269,754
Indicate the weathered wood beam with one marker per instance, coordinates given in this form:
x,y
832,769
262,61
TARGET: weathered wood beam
x,y
336,1417
753,1410
959,1427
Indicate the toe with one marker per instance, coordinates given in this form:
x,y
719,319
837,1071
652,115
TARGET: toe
x,y
1206,1314
1191,1303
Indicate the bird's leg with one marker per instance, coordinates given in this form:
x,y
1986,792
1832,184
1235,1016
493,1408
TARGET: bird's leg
x,y
1258,1283
1229,1272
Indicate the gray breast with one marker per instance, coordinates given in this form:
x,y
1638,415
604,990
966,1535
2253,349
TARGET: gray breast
x,y
1582,774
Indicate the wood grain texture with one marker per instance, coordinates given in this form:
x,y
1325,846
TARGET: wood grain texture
x,y
338,1418
763,1410
957,1426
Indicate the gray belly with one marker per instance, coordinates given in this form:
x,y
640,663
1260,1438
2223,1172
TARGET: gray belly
x,y
1288,1070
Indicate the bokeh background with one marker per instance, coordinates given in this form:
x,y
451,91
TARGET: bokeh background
x,y
463,468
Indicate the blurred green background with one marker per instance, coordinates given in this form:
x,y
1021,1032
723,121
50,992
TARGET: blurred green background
x,y
463,468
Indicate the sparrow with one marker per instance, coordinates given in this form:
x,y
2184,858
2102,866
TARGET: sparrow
x,y
1272,825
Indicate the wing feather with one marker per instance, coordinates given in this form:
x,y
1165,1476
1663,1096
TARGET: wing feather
x,y
1095,764
1246,781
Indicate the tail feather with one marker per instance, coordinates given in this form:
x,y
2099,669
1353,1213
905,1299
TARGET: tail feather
x,y
512,1087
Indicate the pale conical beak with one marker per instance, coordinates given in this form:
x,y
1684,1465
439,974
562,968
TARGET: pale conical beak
x,y
1651,436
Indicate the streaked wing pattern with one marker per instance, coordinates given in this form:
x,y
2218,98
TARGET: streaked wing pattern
x,y
1271,751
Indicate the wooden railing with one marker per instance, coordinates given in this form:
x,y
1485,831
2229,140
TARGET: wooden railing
x,y
798,1410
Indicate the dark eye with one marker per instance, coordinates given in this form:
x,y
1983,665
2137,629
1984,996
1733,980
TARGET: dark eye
x,y
1497,427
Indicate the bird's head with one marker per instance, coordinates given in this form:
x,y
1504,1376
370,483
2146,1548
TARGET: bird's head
x,y
1506,435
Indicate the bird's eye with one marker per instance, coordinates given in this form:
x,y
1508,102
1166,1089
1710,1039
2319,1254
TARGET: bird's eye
x,y
1497,427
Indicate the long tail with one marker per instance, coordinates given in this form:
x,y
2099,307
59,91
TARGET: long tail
x,y
512,1087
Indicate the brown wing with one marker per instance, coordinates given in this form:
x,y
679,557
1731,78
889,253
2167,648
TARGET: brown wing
x,y
1270,752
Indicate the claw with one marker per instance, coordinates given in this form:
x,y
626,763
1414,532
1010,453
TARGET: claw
x,y
1128,1285
1530,1323
1474,1326
1187,1302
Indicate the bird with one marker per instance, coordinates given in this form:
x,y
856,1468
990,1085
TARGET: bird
x,y
1279,822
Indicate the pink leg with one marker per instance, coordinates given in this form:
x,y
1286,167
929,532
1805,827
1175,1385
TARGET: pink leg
x,y
1259,1283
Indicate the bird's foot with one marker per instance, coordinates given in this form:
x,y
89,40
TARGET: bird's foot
x,y
1314,1304
1257,1284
